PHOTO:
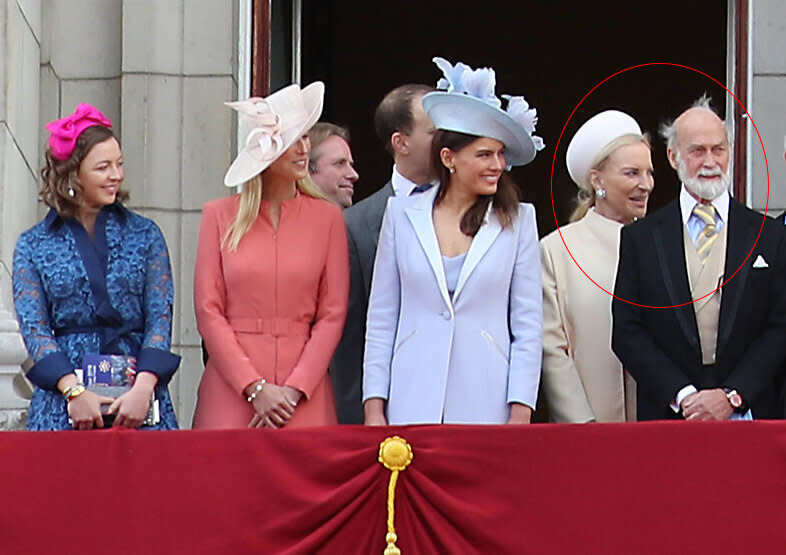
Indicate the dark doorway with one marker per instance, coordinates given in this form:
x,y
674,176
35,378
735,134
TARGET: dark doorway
x,y
552,53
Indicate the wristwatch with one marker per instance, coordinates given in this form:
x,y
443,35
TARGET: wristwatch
x,y
735,399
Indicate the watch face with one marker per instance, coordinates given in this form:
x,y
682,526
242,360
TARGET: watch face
x,y
735,400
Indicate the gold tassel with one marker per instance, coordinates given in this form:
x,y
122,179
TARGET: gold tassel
x,y
395,454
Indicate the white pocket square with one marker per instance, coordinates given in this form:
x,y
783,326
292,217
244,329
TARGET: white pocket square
x,y
760,262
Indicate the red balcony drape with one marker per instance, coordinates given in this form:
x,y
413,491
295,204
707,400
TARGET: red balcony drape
x,y
628,488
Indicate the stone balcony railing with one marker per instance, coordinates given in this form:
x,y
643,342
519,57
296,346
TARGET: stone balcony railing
x,y
14,389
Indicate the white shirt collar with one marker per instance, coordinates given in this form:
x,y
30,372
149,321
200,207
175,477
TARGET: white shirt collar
x,y
687,202
402,187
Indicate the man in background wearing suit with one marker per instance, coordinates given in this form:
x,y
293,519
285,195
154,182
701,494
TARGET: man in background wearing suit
x,y
330,162
698,351
404,128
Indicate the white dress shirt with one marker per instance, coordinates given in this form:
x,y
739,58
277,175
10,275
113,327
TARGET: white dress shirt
x,y
402,186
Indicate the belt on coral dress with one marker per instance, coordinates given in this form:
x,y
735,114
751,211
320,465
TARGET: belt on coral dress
x,y
270,326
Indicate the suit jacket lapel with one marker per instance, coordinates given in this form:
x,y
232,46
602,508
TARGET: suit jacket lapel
x,y
669,248
741,234
419,215
480,244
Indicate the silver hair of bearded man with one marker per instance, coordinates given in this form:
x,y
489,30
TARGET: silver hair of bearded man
x,y
668,131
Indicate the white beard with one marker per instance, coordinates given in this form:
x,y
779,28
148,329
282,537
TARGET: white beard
x,y
709,189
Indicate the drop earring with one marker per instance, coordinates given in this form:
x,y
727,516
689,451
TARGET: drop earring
x,y
71,192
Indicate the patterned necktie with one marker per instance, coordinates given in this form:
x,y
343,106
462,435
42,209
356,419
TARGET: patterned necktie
x,y
706,213
420,189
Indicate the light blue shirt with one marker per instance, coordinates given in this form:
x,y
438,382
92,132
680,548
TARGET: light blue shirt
x,y
452,267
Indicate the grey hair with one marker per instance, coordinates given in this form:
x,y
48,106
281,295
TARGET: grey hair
x,y
669,130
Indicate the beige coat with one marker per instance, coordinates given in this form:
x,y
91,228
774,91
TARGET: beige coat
x,y
582,379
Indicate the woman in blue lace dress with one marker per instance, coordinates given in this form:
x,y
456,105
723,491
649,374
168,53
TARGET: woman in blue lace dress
x,y
92,278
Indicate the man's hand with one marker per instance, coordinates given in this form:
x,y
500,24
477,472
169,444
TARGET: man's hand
x,y
707,404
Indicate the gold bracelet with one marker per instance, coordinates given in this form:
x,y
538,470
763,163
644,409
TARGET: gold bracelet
x,y
257,390
73,392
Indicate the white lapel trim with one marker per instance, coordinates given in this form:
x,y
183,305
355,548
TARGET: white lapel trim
x,y
420,215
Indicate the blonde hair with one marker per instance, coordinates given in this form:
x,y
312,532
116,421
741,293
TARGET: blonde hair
x,y
586,194
250,201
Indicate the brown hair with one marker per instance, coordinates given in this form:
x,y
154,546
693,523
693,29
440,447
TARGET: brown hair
x,y
394,113
505,201
59,176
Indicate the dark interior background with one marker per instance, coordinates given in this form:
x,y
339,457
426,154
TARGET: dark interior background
x,y
552,53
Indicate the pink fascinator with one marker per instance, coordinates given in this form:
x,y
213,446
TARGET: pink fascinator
x,y
64,132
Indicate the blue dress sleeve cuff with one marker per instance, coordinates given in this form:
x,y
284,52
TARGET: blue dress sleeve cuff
x,y
47,371
159,362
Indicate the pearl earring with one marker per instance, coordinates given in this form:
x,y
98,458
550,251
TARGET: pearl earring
x,y
452,170
600,193
71,192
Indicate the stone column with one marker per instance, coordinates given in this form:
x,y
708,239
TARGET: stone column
x,y
767,103
13,402
20,45
178,67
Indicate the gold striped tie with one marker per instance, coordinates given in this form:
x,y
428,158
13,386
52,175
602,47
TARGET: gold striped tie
x,y
706,213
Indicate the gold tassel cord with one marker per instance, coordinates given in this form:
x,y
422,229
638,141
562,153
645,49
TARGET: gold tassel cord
x,y
395,454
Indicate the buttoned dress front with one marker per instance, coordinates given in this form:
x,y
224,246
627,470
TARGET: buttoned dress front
x,y
273,309
461,359
582,378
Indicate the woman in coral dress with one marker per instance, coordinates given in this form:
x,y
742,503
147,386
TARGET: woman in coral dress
x,y
271,278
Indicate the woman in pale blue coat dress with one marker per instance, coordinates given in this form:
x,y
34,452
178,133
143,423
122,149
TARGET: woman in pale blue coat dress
x,y
455,313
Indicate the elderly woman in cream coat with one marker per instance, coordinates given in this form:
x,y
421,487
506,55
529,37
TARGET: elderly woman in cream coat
x,y
454,319
583,381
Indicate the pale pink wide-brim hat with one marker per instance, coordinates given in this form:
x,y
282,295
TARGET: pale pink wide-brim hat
x,y
269,126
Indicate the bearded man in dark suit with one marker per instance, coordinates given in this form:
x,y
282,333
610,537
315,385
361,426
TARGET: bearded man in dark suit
x,y
697,350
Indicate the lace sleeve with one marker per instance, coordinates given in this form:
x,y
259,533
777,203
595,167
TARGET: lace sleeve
x,y
32,310
154,355
31,304
159,293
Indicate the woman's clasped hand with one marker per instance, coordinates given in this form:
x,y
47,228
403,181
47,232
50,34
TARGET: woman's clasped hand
x,y
274,405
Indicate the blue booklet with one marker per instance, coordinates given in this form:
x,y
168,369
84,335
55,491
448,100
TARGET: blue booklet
x,y
111,376
115,370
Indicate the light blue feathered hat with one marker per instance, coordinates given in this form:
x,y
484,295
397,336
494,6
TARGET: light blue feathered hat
x,y
467,103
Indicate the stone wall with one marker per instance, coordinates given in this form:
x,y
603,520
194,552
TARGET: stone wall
x,y
20,53
767,102
178,67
